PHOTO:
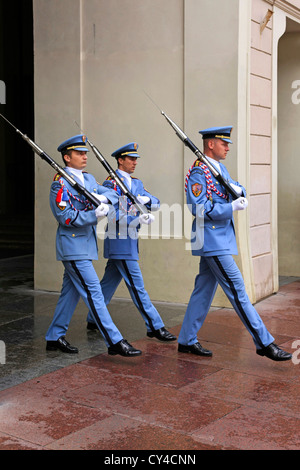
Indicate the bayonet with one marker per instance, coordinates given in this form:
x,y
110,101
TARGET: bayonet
x,y
188,143
89,196
140,207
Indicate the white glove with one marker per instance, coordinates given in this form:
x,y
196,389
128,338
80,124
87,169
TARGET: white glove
x,y
146,219
239,204
101,210
237,189
143,199
101,197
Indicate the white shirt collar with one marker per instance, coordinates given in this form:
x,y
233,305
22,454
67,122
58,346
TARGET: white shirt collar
x,y
77,173
127,178
214,163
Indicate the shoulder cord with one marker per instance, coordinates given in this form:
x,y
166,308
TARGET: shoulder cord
x,y
209,182
88,205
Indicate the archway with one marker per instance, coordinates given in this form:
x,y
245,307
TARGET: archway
x,y
288,151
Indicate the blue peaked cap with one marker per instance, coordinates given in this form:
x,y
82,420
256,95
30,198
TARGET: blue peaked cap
x,y
77,142
129,150
217,133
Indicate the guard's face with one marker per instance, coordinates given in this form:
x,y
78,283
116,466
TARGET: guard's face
x,y
219,148
128,164
77,160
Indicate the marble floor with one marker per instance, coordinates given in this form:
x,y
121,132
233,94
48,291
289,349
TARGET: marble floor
x,y
161,400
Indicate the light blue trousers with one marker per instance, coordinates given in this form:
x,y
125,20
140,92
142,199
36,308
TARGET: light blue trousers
x,y
81,280
221,270
129,270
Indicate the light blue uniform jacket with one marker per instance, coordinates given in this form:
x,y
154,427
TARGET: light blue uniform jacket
x,y
76,237
213,230
121,240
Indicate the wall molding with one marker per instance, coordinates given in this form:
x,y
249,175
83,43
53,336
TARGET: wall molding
x,y
285,6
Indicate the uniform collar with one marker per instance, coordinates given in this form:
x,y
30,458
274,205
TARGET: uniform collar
x,y
126,177
77,173
214,163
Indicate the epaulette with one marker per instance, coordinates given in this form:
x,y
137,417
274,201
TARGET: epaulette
x,y
56,177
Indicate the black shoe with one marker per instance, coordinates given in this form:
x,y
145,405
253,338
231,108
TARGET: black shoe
x,y
124,349
274,352
91,326
61,344
194,349
162,334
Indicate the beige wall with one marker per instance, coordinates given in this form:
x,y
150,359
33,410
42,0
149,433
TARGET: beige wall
x,y
57,103
260,150
288,153
93,59
205,63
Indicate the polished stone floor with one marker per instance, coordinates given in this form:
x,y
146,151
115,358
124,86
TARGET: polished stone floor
x,y
161,400
25,316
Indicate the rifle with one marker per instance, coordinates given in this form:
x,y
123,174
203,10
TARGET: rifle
x,y
185,139
141,208
81,190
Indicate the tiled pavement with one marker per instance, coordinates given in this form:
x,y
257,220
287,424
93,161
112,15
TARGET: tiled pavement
x,y
161,400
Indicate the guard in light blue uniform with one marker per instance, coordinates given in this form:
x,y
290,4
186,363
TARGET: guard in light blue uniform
x,y
76,247
213,239
121,243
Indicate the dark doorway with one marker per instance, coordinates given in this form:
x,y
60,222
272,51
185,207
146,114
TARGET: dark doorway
x,y
17,159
